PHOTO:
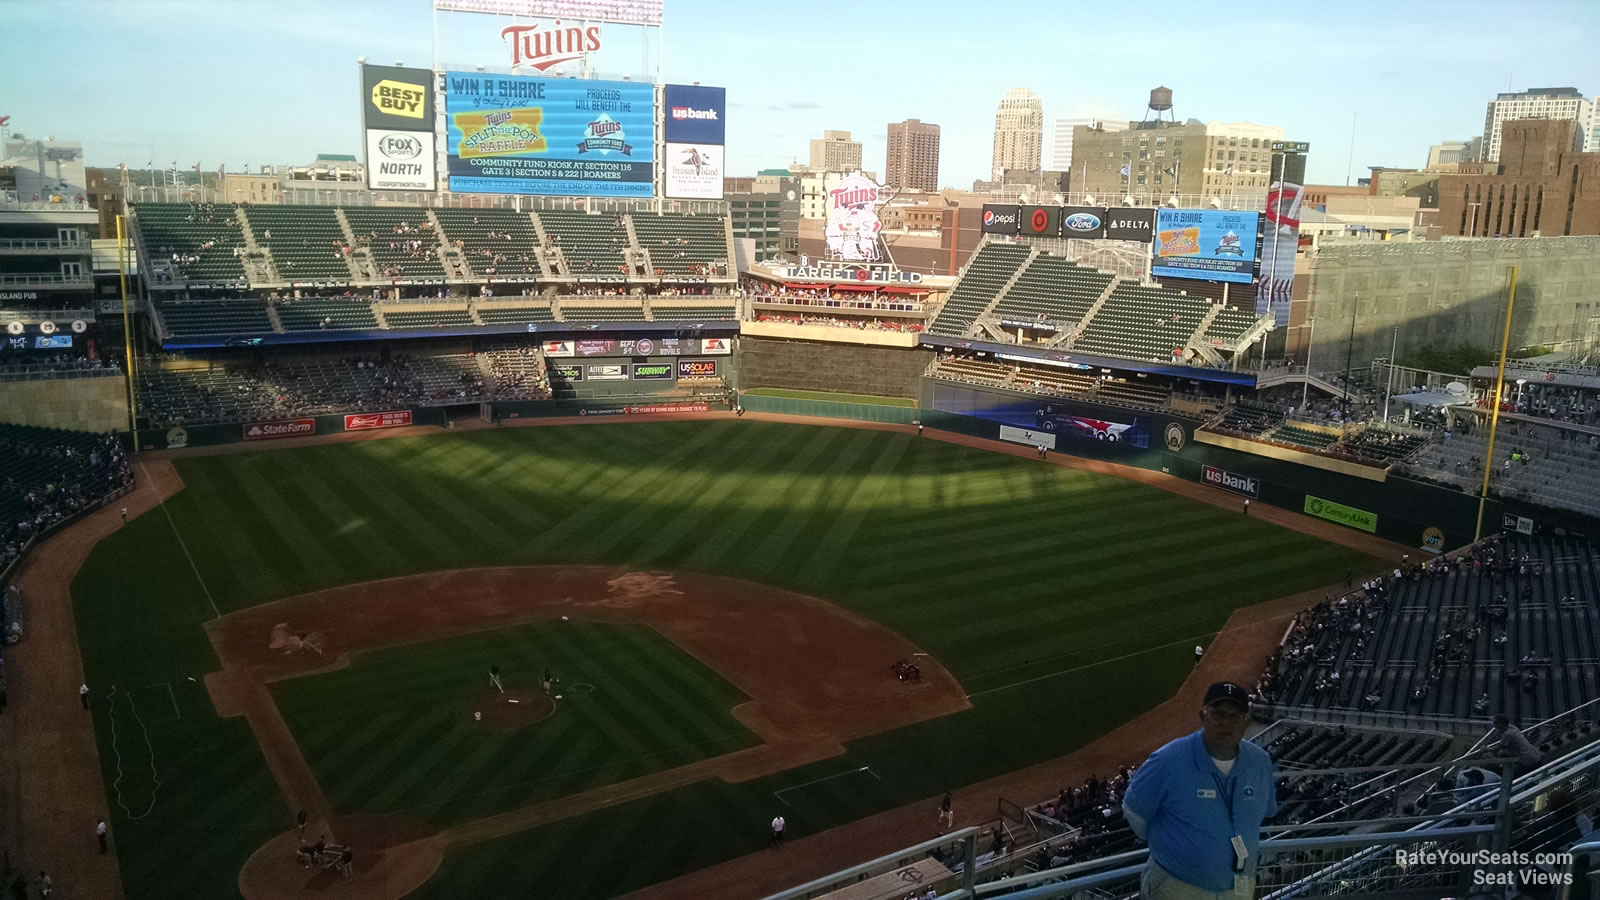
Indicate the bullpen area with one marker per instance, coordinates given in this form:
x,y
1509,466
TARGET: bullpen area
x,y
593,658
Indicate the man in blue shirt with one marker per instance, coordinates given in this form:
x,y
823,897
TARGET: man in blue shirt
x,y
1199,801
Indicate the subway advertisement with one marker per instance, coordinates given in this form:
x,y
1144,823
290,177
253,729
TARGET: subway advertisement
x,y
1206,244
553,136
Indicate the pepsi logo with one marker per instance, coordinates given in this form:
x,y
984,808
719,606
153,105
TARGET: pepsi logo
x,y
1083,222
988,217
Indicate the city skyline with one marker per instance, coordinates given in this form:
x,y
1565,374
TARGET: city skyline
x,y
299,58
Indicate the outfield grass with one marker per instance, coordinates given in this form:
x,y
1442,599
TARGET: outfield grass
x,y
1066,602
869,399
401,712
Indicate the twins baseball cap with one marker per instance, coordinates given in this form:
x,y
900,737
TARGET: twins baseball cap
x,y
1227,690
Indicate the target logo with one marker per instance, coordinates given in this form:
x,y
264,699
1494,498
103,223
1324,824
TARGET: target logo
x,y
1039,221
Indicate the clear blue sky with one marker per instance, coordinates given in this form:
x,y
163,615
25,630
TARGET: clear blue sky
x,y
252,81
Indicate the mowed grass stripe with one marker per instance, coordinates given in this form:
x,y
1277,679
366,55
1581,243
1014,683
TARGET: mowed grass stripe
x,y
257,477
804,500
325,515
629,486
707,510
224,550
423,542
671,720
779,491
853,511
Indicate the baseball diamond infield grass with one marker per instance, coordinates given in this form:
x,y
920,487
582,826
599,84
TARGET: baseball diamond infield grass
x,y
632,703
869,399
1065,602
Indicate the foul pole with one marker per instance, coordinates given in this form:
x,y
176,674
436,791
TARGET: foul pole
x,y
1494,415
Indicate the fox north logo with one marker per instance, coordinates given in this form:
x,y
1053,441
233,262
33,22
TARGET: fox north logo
x,y
605,136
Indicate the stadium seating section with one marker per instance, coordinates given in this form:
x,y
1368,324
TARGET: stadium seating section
x,y
314,387
693,313
314,314
305,242
602,313
501,240
221,317
591,242
1554,468
1229,326
1055,290
428,318
47,474
381,226
1142,322
185,230
1308,438
986,273
677,243
1511,637
500,315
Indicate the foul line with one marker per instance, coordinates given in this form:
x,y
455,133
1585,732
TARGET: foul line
x,y
779,794
1099,662
116,783
186,553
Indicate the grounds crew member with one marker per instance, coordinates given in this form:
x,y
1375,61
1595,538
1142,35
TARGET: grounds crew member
x,y
1200,801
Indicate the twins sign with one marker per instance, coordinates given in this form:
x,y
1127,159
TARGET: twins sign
x,y
853,226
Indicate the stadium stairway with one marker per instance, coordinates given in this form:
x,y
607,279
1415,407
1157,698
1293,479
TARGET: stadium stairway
x,y
993,269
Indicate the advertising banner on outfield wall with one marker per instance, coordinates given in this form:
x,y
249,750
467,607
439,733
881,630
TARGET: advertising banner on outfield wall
x,y
1280,236
1027,436
1131,225
510,134
1222,478
606,373
716,346
400,160
1344,515
559,348
694,114
697,368
1041,221
566,372
266,431
693,171
1208,244
1083,222
377,420
1001,218
653,372
397,98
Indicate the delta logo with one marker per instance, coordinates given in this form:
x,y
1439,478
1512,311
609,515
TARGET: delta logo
x,y
690,113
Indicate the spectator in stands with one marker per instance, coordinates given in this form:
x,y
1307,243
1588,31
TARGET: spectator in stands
x,y
1508,739
1199,801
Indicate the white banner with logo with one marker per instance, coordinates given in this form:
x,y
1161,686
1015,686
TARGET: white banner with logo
x,y
400,160
694,171
1027,436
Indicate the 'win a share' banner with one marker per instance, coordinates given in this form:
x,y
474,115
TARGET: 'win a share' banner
x,y
558,136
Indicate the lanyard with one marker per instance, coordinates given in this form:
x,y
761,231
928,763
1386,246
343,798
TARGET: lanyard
x,y
1227,798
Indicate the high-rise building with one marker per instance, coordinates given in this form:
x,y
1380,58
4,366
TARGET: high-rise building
x,y
835,152
1450,153
1061,139
913,156
1018,133
1152,161
1536,189
1562,103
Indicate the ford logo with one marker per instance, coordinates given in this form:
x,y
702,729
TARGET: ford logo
x,y
1083,222
397,146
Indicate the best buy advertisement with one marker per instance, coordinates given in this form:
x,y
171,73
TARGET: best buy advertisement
x,y
511,134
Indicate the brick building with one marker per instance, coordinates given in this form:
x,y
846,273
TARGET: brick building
x,y
1540,186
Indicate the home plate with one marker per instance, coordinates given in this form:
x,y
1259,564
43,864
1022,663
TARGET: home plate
x,y
512,700
558,696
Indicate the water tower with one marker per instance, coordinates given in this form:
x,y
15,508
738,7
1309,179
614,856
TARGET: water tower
x,y
1160,102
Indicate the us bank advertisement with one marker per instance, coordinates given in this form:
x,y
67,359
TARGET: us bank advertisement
x,y
507,134
1207,244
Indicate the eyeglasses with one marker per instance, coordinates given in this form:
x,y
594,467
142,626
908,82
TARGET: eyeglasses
x,y
1224,714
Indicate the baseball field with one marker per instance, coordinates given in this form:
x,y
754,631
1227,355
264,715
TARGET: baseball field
x,y
717,603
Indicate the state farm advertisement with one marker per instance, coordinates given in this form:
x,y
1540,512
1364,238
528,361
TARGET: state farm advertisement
x,y
377,420
266,431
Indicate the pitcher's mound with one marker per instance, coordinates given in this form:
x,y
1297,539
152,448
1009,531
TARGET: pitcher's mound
x,y
513,709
